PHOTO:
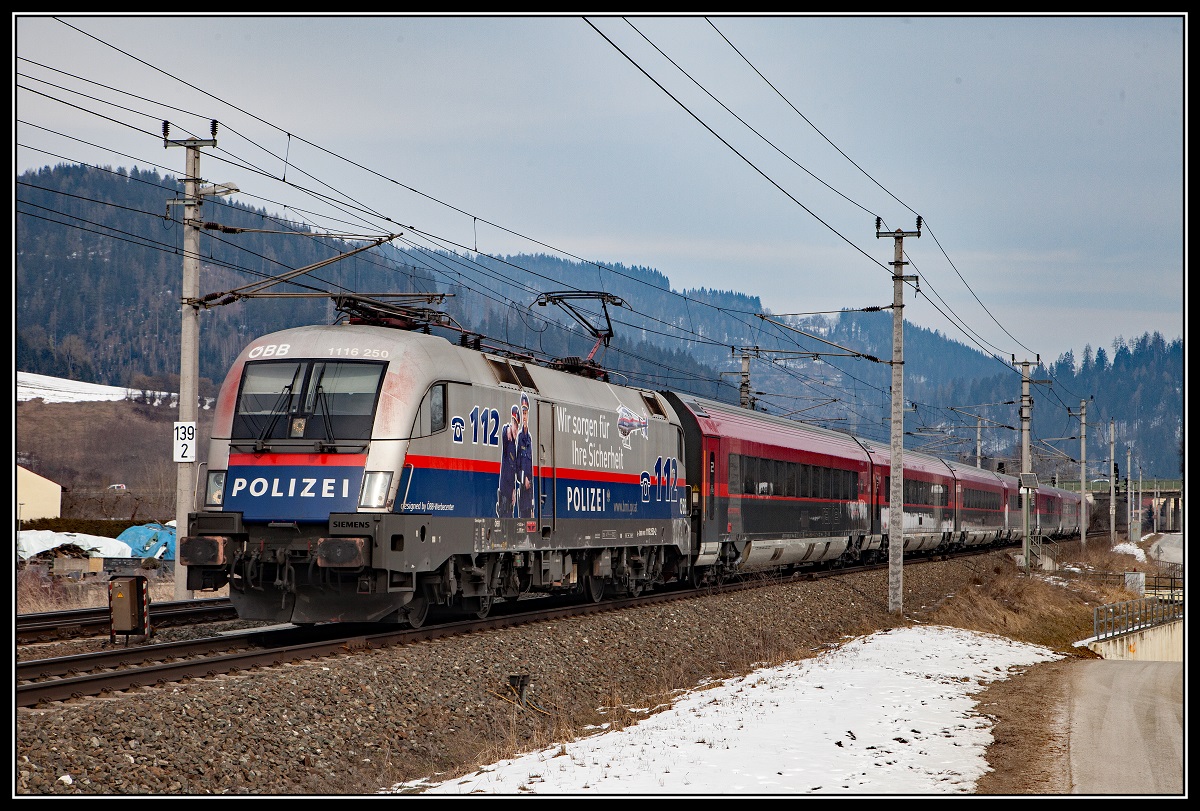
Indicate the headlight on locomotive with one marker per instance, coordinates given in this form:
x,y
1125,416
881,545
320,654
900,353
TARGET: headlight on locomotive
x,y
375,488
214,491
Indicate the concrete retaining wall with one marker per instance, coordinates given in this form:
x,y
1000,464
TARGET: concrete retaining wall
x,y
1162,643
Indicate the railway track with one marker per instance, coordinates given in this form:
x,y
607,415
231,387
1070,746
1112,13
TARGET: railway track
x,y
65,678
54,626
95,674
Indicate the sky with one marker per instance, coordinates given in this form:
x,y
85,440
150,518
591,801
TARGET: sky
x,y
1045,154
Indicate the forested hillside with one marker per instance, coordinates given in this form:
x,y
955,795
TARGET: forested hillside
x,y
99,269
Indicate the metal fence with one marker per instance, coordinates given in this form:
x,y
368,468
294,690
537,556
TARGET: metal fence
x,y
1122,618
1157,584
1171,569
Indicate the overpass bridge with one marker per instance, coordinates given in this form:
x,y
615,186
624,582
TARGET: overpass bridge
x,y
1157,504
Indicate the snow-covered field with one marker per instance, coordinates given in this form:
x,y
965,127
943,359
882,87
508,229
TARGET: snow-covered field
x,y
59,390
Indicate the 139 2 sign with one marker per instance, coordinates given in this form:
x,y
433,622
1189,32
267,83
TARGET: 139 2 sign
x,y
185,442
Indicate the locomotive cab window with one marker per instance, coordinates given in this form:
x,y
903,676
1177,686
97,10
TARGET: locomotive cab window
x,y
317,401
431,416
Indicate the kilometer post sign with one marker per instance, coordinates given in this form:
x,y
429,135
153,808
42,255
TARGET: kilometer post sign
x,y
185,442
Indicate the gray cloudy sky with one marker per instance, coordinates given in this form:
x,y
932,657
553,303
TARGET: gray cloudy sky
x,y
1045,154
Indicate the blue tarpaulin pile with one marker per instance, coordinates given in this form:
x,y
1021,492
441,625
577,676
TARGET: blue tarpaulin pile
x,y
150,541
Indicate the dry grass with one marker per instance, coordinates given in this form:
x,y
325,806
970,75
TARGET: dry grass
x,y
1043,609
38,592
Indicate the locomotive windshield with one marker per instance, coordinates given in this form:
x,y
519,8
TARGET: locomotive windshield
x,y
323,402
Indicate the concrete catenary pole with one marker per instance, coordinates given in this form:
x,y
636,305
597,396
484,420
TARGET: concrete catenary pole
x,y
1083,508
1128,493
1026,408
1112,484
189,344
896,496
1028,482
1140,501
744,387
189,355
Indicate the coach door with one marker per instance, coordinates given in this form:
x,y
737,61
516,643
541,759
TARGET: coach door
x,y
709,500
545,474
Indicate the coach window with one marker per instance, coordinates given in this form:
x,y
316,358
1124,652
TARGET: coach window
x,y
735,474
749,475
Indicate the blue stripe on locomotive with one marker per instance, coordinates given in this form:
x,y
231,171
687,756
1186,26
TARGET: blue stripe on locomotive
x,y
454,493
589,498
473,494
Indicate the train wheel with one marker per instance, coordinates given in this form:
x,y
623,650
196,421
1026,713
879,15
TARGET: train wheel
x,y
635,587
480,606
418,611
695,576
595,588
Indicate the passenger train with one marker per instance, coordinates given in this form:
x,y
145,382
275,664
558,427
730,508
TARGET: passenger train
x,y
366,473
